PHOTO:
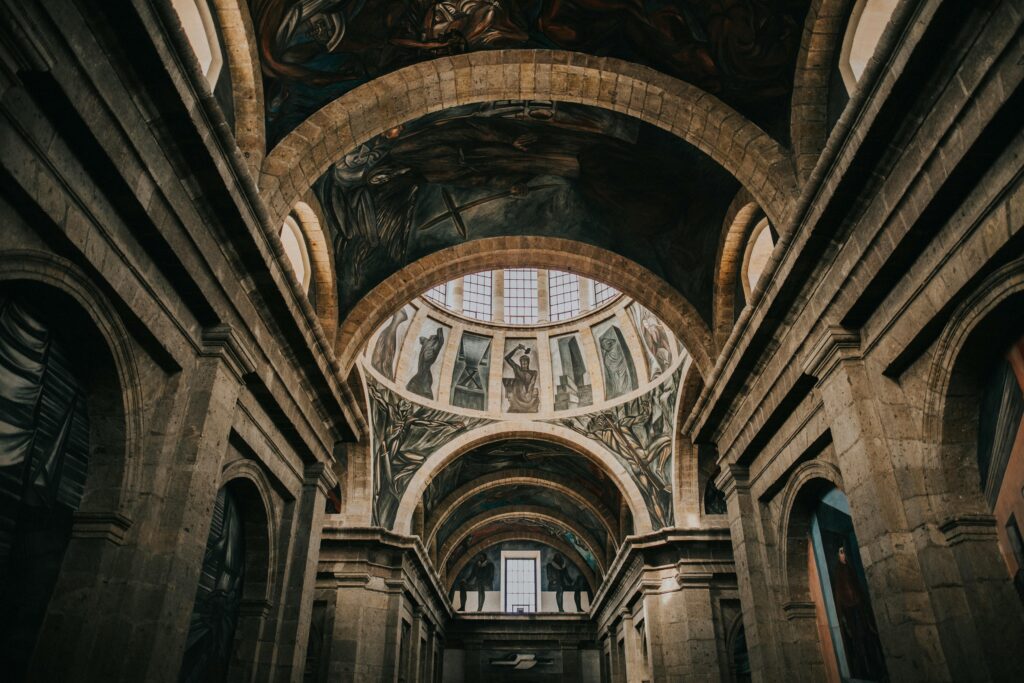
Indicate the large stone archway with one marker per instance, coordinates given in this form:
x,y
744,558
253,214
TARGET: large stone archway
x,y
756,160
541,431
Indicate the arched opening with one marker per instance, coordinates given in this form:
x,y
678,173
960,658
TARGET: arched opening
x,y
758,251
739,657
44,462
867,23
297,251
231,600
201,31
838,587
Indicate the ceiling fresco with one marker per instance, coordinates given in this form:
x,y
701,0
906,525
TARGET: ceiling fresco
x,y
521,495
464,580
520,454
314,51
525,168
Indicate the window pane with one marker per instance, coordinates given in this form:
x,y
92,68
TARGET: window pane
x,y
603,292
563,295
476,296
439,294
520,584
521,296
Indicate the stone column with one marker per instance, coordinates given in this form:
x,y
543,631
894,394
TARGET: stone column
x,y
357,490
416,651
907,623
633,663
134,624
297,607
748,553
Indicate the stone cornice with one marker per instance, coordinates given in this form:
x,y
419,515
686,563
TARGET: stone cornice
x,y
833,346
221,341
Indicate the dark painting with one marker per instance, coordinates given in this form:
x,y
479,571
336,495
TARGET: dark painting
x,y
525,168
314,51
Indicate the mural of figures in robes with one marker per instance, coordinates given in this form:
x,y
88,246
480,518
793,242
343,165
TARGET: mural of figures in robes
x,y
389,341
656,340
639,433
404,436
524,167
431,343
314,51
569,372
519,376
616,360
480,576
469,379
562,578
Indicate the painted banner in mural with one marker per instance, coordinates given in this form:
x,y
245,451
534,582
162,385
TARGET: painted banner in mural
x,y
569,372
519,377
656,340
404,436
472,366
389,341
423,377
639,433
616,360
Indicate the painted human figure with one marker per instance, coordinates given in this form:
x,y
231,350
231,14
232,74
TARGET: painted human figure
x,y
856,621
521,388
422,382
384,352
480,579
658,344
561,579
617,377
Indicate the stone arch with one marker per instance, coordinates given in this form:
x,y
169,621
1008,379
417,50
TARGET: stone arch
x,y
322,263
528,512
515,477
631,278
823,34
805,487
110,374
740,218
751,155
541,431
992,318
250,488
557,544
246,80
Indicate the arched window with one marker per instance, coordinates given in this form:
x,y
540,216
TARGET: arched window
x,y
44,456
211,633
1001,456
297,251
201,32
755,257
867,22
842,592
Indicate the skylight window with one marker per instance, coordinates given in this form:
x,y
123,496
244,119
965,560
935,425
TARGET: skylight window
x,y
563,295
521,296
476,296
603,293
439,294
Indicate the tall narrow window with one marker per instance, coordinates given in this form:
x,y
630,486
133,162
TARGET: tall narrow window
x,y
476,296
520,584
563,295
521,296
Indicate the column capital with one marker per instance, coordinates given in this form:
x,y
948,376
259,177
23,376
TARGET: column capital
x,y
733,478
834,345
221,341
321,475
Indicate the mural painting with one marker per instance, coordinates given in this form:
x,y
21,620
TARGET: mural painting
x,y
559,575
404,436
616,360
520,392
522,454
389,341
524,168
469,379
314,51
656,340
432,338
639,433
569,372
523,495
524,525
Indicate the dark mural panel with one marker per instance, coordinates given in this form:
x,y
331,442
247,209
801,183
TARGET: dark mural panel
x,y
521,495
525,168
314,51
524,454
